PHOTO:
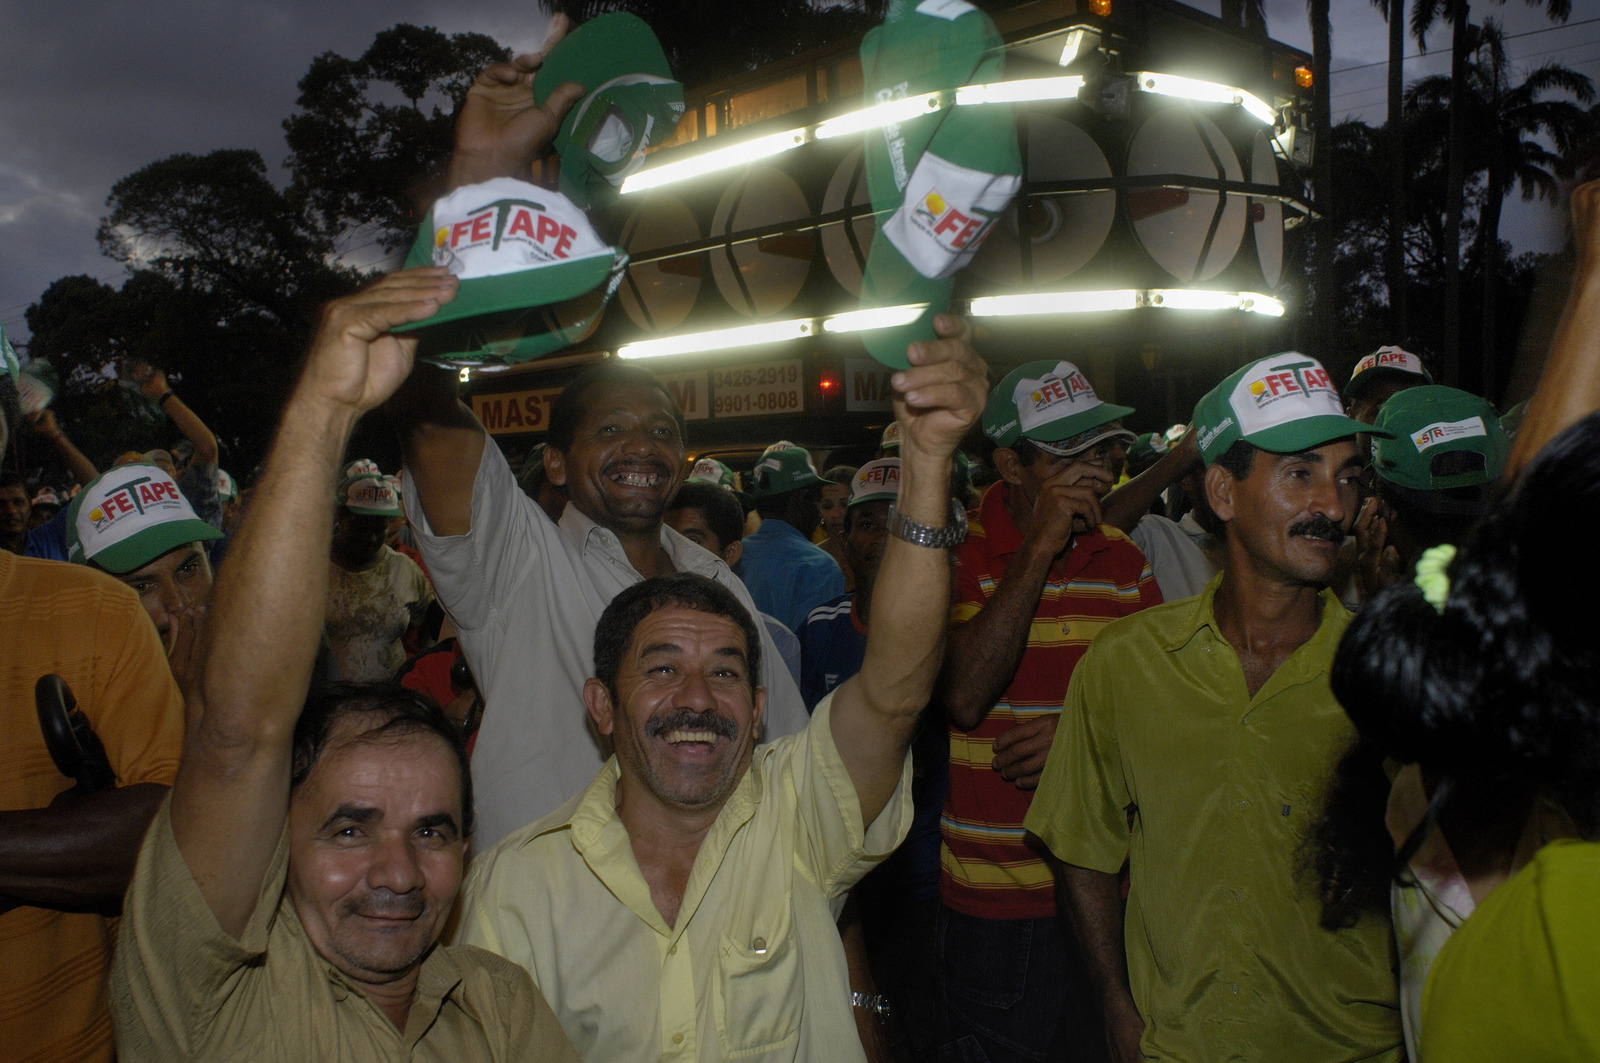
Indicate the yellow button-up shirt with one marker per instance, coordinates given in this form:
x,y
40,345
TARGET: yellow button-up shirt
x,y
183,989
1225,956
753,968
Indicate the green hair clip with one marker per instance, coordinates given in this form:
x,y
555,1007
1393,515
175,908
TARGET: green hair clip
x,y
1431,577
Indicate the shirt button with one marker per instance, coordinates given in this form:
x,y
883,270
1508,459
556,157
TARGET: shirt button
x,y
759,946
677,1038
673,951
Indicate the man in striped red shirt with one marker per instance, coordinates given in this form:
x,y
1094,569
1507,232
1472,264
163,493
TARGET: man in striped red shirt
x,y
1038,576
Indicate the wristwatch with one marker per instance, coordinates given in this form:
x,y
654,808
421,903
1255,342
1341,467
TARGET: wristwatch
x,y
952,534
876,1003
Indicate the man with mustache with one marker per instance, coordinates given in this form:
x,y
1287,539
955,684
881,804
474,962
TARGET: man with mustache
x,y
683,905
524,590
1207,727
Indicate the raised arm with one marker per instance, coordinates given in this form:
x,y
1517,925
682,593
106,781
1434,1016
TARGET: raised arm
x,y
1124,507
875,712
44,425
153,386
1569,387
266,610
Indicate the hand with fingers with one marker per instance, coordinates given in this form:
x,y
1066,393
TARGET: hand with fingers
x,y
1020,750
501,130
1068,504
1377,560
183,643
941,395
355,361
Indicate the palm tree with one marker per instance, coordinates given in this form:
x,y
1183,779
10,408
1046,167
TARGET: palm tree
x,y
1394,258
1462,43
1503,123
1322,309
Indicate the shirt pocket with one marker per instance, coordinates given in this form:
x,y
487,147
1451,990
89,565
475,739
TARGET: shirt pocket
x,y
759,988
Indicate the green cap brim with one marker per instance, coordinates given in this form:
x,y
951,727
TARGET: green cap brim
x,y
522,290
144,547
1307,433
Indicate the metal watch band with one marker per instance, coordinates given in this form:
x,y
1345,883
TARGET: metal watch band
x,y
952,534
876,1003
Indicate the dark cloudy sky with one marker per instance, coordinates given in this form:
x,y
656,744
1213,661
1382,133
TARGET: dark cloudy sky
x,y
91,90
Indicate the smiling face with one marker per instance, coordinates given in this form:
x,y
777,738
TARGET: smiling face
x,y
375,850
179,579
684,711
625,459
1289,515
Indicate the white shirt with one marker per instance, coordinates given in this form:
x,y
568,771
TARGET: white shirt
x,y
1181,567
525,596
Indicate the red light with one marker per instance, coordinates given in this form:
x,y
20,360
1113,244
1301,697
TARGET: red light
x,y
1302,76
828,383
1100,7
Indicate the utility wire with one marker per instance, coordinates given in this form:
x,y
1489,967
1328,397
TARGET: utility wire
x,y
1445,51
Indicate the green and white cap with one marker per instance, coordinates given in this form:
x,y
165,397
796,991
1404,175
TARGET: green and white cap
x,y
1284,404
372,496
1385,363
1049,402
783,467
711,471
946,176
1439,438
130,516
891,437
522,254
227,486
876,481
632,102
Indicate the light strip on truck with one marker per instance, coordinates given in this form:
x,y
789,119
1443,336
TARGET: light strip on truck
x,y
721,159
876,318
881,114
1204,92
721,339
1020,91
1054,303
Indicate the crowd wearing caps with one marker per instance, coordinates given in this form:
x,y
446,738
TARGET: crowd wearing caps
x,y
1053,406
1285,404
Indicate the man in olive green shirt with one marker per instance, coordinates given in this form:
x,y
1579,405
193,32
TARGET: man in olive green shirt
x,y
1211,721
290,895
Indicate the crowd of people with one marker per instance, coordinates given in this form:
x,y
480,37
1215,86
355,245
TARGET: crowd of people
x,y
1262,737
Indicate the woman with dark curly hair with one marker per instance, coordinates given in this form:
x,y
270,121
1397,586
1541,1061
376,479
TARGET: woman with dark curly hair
x,y
1485,672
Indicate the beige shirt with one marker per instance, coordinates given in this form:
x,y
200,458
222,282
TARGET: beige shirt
x,y
525,595
752,970
183,989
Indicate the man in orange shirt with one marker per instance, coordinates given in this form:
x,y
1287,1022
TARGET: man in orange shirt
x,y
65,857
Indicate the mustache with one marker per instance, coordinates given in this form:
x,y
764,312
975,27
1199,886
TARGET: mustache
x,y
689,720
1319,528
655,464
386,904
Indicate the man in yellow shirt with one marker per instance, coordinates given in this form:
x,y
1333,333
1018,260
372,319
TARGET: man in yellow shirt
x,y
1207,727
291,892
682,907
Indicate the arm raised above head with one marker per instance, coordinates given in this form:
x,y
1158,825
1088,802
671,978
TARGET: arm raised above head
x,y
937,400
266,612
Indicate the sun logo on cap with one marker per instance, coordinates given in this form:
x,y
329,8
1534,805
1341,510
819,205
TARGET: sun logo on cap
x,y
934,202
1037,397
441,237
97,515
1259,388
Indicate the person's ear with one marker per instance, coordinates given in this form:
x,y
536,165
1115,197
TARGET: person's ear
x,y
1221,490
555,466
597,699
1008,465
733,552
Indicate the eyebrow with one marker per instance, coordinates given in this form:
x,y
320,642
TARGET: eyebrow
x,y
440,819
672,647
354,814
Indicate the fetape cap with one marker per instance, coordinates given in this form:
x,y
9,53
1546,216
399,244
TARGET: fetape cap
x,y
891,436
516,248
947,176
130,516
372,496
1430,422
632,102
1147,446
1385,363
1045,401
46,497
783,467
876,481
227,486
711,471
1284,404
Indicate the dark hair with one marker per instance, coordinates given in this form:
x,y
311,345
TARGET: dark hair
x,y
1238,459
1434,517
841,474
570,406
386,710
1348,851
12,478
1502,687
622,617
780,506
722,512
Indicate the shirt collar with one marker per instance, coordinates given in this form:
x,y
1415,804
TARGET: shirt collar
x,y
1310,659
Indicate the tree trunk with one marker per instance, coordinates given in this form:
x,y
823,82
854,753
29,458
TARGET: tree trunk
x,y
1322,168
1395,254
1455,190
1489,262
